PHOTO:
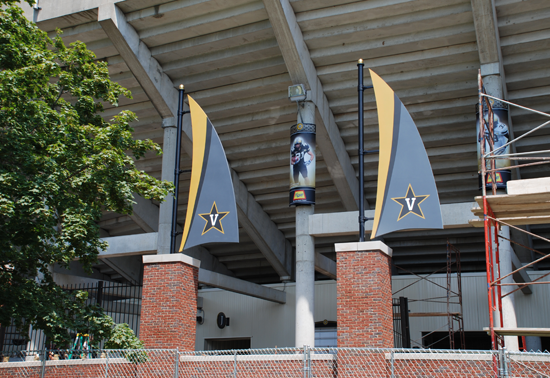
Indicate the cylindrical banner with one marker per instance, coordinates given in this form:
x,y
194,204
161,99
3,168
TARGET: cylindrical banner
x,y
302,164
501,136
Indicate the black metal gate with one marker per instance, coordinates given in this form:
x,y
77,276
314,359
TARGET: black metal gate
x,y
121,302
401,331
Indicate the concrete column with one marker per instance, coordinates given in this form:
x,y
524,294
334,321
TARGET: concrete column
x,y
168,166
305,258
493,86
509,319
305,278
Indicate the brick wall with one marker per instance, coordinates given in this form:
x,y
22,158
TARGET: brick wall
x,y
363,295
169,302
347,363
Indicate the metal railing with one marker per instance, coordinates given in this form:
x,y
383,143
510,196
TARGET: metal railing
x,y
122,302
280,362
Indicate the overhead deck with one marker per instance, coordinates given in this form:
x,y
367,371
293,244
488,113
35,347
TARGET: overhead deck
x,y
237,58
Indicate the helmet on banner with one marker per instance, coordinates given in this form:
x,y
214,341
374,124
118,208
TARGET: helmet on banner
x,y
298,141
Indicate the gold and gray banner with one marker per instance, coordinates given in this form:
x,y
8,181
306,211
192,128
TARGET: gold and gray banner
x,y
211,209
407,197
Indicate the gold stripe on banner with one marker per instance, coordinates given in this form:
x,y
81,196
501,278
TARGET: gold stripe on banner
x,y
198,124
385,103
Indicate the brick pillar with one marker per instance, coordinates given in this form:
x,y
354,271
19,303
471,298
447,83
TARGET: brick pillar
x,y
364,297
169,301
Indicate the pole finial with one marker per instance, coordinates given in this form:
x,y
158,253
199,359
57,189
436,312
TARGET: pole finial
x,y
360,61
182,87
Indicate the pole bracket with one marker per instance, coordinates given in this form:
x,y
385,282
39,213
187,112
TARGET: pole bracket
x,y
363,87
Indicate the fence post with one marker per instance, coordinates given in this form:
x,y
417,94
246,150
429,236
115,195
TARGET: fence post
x,y
107,364
43,370
308,362
235,363
392,364
177,362
305,361
503,368
505,355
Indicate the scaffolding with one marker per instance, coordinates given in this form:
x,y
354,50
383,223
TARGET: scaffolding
x,y
452,299
496,211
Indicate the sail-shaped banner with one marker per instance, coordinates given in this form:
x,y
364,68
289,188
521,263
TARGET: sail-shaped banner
x,y
211,210
406,196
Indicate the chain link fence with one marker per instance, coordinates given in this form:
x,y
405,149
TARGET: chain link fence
x,y
279,362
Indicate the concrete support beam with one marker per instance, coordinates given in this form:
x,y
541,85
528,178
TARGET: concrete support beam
x,y
127,245
144,244
221,281
208,261
521,276
262,230
129,267
486,29
145,214
163,95
455,215
302,71
137,56
325,266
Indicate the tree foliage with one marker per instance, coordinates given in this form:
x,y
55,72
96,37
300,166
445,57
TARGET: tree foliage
x,y
61,166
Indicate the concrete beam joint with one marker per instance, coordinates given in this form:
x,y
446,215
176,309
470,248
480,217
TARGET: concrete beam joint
x,y
169,122
490,69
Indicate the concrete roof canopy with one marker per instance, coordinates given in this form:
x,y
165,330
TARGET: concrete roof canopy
x,y
237,58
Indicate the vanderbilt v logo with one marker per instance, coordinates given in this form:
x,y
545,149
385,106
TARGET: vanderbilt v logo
x,y
213,219
409,204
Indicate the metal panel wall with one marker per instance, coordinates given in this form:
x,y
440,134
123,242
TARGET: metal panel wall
x,y
269,324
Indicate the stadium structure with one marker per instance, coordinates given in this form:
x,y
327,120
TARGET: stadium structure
x,y
237,59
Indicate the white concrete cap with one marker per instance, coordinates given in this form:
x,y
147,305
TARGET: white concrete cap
x,y
173,257
529,186
370,246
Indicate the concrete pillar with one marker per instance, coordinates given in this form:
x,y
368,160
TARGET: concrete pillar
x,y
305,278
509,319
169,301
168,166
363,295
493,86
305,257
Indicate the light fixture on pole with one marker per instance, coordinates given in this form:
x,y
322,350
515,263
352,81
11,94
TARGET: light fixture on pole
x,y
297,92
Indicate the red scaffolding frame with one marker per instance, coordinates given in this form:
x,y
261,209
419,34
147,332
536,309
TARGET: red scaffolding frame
x,y
495,207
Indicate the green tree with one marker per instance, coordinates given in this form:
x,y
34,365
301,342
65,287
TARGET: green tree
x,y
61,165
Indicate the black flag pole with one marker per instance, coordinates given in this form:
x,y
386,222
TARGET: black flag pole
x,y
177,171
360,89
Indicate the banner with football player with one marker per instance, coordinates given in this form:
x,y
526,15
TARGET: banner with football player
x,y
302,164
501,136
406,197
211,209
